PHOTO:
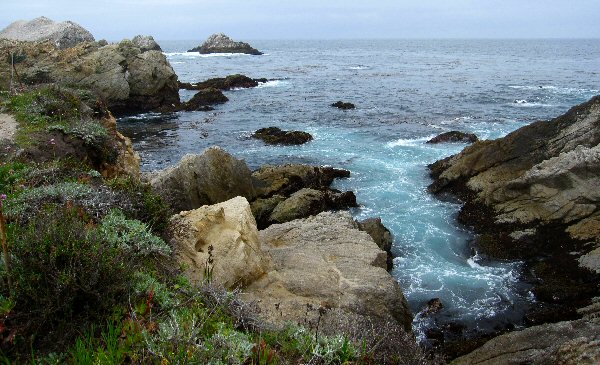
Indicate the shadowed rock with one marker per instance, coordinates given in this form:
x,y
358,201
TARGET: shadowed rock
x,y
204,98
454,136
274,135
381,235
223,83
342,105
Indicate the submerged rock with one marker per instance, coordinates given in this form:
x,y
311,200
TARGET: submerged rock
x,y
274,135
454,136
211,177
204,98
220,43
343,105
322,265
62,35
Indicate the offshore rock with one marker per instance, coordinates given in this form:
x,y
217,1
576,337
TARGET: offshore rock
x,y
343,105
220,43
236,81
274,135
146,43
220,241
62,35
209,178
566,343
533,195
203,99
121,76
321,265
454,136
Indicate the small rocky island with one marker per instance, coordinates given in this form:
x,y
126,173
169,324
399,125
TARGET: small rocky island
x,y
220,43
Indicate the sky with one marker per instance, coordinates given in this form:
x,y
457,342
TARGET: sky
x,y
318,19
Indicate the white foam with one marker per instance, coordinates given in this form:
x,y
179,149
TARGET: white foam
x,y
556,89
198,55
526,104
407,142
359,67
272,83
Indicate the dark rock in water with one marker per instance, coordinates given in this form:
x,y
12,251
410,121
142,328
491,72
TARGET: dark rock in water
x,y
62,35
220,43
381,235
433,306
274,135
146,43
204,98
343,105
287,179
533,196
454,136
223,83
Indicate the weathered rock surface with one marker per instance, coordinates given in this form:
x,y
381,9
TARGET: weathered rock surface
x,y
324,262
274,135
289,178
343,105
236,81
565,343
381,235
211,177
220,43
123,77
222,241
128,160
307,202
454,136
62,35
534,195
146,43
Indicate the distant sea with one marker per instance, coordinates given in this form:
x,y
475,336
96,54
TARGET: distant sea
x,y
406,91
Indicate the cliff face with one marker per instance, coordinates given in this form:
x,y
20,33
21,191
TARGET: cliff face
x,y
534,195
124,76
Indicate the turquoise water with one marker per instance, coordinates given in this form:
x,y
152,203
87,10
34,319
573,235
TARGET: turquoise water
x,y
406,92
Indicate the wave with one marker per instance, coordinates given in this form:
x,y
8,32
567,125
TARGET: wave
x,y
272,83
556,89
359,67
526,104
409,142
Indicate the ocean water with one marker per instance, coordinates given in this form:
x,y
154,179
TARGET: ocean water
x,y
406,91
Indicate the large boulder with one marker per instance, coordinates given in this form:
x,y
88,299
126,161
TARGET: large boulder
x,y
121,76
454,136
209,178
220,43
62,35
146,43
219,243
322,264
306,202
534,195
566,343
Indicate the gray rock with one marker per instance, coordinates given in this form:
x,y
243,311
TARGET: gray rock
x,y
566,343
146,43
324,263
63,35
381,235
220,43
454,136
209,178
307,202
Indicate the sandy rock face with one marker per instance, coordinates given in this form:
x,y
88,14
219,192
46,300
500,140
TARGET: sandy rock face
x,y
326,262
128,160
63,35
211,177
236,258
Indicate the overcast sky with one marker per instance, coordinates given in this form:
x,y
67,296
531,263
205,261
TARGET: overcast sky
x,y
319,19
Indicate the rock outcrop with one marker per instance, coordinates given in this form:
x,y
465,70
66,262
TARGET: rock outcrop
x,y
220,243
220,43
565,343
62,35
307,202
146,43
322,264
203,99
381,235
275,135
343,105
534,195
236,81
209,178
121,76
128,160
454,136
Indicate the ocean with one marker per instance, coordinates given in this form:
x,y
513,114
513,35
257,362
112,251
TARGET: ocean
x,y
405,91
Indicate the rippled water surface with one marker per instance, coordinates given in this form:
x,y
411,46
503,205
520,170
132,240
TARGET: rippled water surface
x,y
406,92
